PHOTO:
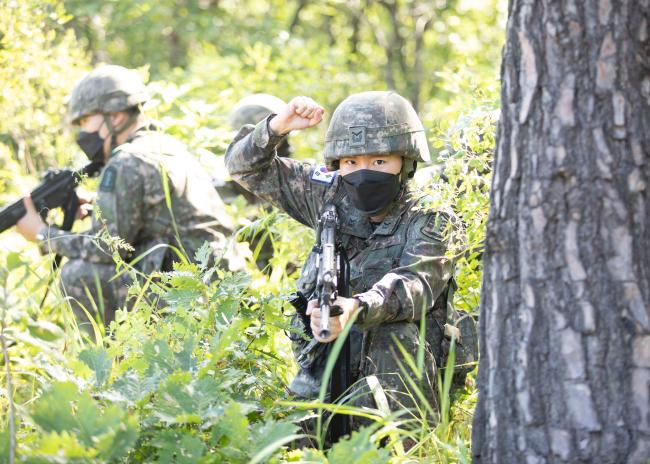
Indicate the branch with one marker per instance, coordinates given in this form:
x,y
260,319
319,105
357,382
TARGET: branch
x,y
421,25
398,39
380,38
296,15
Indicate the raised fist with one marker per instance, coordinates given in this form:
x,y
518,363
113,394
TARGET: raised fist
x,y
300,113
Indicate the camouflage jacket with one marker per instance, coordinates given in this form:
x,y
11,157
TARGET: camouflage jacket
x,y
151,192
398,268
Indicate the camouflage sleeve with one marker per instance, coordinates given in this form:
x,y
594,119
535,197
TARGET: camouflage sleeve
x,y
118,213
422,275
292,186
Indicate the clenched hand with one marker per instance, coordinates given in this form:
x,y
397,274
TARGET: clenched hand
x,y
300,113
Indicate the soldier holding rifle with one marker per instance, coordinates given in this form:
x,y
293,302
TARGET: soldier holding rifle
x,y
152,194
395,246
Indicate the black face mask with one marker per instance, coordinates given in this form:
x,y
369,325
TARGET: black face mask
x,y
92,145
371,191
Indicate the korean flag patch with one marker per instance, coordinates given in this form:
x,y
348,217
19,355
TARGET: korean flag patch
x,y
322,175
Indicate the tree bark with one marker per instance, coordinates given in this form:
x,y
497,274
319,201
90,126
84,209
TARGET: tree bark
x,y
564,375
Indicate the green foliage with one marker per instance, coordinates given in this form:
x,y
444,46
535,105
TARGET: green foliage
x,y
358,449
97,359
464,148
202,378
73,424
399,44
39,62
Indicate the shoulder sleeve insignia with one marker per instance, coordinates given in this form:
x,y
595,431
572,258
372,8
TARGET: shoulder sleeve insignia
x,y
321,175
437,227
108,179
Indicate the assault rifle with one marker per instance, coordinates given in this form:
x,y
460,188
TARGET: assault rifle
x,y
328,268
57,190
333,280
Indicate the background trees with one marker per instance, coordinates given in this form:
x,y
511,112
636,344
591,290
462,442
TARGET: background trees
x,y
400,43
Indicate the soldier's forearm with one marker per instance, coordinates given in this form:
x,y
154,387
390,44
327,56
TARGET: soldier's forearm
x,y
376,308
398,296
252,151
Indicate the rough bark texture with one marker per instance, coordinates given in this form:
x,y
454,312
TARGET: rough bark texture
x,y
565,313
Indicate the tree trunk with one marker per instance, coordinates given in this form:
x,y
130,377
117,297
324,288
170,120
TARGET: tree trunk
x,y
565,313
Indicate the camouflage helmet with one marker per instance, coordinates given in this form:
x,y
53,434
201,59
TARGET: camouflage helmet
x,y
374,123
106,89
253,108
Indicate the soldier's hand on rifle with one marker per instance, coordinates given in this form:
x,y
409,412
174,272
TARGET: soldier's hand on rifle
x,y
349,306
300,113
86,200
29,225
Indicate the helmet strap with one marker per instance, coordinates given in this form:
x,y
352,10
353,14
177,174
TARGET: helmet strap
x,y
412,173
408,170
117,131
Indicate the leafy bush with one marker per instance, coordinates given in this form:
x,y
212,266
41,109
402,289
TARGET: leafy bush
x,y
40,60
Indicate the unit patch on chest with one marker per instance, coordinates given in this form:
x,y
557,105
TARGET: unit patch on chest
x,y
321,175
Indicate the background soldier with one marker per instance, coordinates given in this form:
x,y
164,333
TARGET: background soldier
x,y
252,109
396,246
152,194
249,111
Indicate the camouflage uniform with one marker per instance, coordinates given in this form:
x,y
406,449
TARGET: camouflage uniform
x,y
131,204
398,268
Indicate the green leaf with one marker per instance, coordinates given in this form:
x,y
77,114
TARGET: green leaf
x,y
131,389
268,437
313,456
98,360
45,330
66,414
159,357
233,426
233,284
52,411
5,440
62,447
14,261
120,440
178,447
185,358
203,255
183,400
231,334
358,449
